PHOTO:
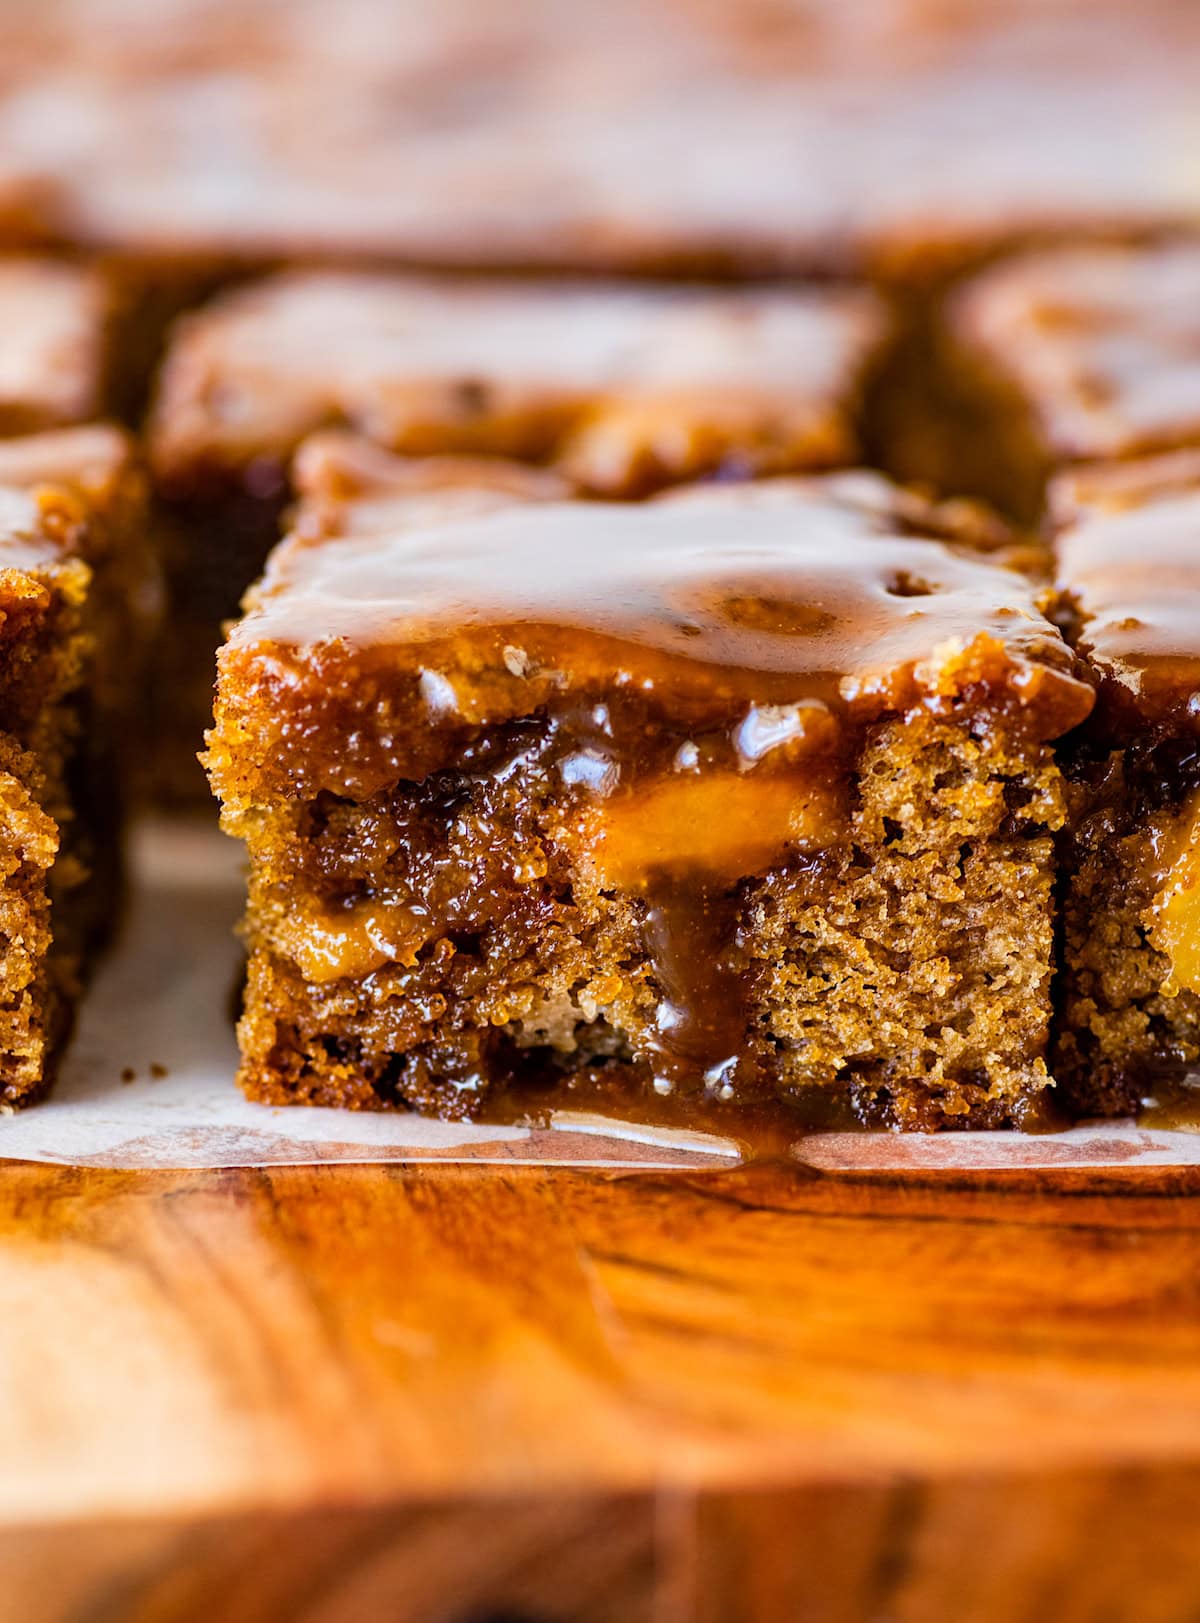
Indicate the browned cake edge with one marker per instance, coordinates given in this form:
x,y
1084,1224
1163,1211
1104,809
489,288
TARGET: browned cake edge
x,y
68,682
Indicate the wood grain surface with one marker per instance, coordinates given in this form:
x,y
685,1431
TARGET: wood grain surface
x,y
446,1394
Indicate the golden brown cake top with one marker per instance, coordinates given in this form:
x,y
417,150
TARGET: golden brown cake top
x,y
1103,342
770,613
53,336
1131,562
598,377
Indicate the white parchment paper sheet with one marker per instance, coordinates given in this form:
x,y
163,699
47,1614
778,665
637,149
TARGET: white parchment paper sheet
x,y
163,1000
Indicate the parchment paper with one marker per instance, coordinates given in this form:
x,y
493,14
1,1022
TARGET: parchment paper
x,y
148,1079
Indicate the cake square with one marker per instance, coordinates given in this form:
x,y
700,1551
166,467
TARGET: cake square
x,y
54,355
72,554
623,388
1129,566
1065,357
738,799
1099,342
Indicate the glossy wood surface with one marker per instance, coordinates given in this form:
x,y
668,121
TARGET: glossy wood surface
x,y
439,1393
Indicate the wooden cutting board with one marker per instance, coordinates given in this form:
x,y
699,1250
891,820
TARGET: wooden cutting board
x,y
438,1394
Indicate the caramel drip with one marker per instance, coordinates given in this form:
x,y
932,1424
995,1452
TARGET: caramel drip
x,y
700,1040
1172,1105
684,841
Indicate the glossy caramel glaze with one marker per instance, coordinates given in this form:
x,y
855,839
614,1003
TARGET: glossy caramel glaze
x,y
386,645
53,490
1131,564
347,482
1102,342
94,460
623,387
1118,486
53,341
30,539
